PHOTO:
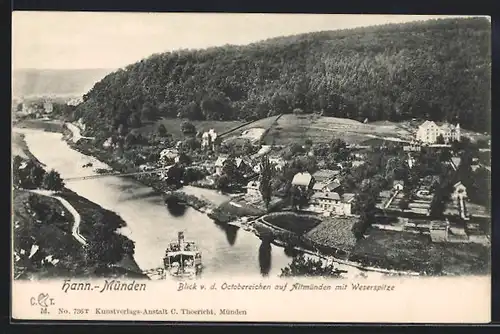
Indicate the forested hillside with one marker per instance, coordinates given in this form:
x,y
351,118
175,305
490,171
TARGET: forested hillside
x,y
436,69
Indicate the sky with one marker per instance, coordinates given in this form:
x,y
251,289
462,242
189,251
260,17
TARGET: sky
x,y
78,40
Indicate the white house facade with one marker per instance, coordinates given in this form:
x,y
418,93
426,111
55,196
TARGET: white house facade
x,y
253,189
428,132
331,203
459,191
208,139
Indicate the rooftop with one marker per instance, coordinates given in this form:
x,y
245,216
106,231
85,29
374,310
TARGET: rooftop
x,y
253,184
302,179
325,174
326,195
348,197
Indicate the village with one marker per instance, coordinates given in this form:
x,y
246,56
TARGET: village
x,y
332,197
335,196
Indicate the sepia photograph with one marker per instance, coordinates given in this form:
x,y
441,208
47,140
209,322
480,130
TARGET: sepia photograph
x,y
321,150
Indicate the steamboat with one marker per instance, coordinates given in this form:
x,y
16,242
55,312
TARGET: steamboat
x,y
182,258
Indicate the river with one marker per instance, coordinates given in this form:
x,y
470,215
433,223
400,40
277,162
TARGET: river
x,y
226,251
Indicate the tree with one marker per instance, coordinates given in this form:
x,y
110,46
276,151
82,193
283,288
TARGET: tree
x,y
266,174
162,131
36,173
300,266
135,120
277,76
337,144
231,170
147,112
442,191
298,197
175,175
189,144
187,128
193,175
365,206
440,140
130,140
191,111
16,171
395,169
223,183
321,149
105,248
479,187
184,159
122,130
53,181
292,150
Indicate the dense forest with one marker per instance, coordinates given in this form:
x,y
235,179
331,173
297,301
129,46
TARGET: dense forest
x,y
439,70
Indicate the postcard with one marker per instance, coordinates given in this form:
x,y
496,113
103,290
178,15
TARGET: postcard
x,y
224,167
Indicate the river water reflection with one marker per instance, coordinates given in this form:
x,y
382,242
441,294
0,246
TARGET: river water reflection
x,y
226,250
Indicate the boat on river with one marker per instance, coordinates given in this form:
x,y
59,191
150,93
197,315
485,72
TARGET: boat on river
x,y
182,258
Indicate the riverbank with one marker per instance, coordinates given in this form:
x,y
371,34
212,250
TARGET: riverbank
x,y
214,204
20,148
386,252
151,224
202,203
53,230
45,245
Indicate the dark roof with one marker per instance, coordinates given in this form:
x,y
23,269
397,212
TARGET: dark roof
x,y
325,174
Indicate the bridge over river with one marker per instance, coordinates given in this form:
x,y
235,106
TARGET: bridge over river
x,y
101,175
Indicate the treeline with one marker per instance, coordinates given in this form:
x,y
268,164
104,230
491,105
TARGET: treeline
x,y
438,70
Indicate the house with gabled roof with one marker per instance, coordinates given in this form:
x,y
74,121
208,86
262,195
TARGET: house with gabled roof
x,y
303,179
325,175
331,203
428,132
398,185
326,186
253,189
459,191
221,161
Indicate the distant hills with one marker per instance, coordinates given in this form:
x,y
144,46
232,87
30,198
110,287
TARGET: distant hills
x,y
61,83
438,70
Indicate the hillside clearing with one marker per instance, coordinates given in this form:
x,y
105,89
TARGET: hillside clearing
x,y
173,126
297,128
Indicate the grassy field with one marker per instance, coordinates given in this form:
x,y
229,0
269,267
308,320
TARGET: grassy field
x,y
261,124
298,224
173,126
334,232
88,211
298,128
409,251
